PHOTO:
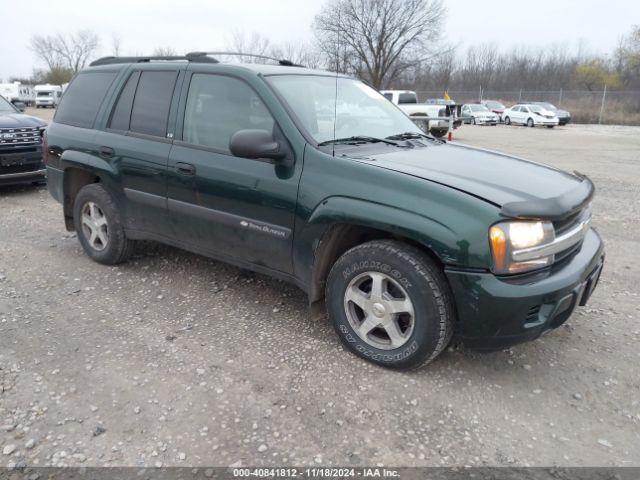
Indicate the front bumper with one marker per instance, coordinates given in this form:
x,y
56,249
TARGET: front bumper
x,y
546,123
486,121
23,177
19,166
495,313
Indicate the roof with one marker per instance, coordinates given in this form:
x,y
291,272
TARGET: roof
x,y
205,58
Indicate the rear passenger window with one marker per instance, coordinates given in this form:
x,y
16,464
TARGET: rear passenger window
x,y
121,114
219,106
83,98
151,104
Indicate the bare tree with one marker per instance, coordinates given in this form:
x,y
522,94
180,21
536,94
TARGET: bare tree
x,y
298,53
71,52
382,38
164,52
116,43
254,43
45,50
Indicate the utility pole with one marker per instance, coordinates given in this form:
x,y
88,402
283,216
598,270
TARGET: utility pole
x,y
560,99
604,96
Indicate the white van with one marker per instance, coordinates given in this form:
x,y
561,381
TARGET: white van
x,y
48,95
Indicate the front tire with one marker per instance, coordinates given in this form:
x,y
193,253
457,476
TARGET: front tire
x,y
390,304
530,123
507,121
100,227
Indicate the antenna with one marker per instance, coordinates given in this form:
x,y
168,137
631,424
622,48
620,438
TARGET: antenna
x,y
335,101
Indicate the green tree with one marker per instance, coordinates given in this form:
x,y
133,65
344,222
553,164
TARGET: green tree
x,y
594,75
54,76
627,58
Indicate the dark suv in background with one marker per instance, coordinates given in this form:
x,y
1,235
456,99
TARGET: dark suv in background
x,y
20,146
317,179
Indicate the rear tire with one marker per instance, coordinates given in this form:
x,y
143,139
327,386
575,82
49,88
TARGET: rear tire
x,y
507,121
438,132
100,227
390,304
473,120
550,126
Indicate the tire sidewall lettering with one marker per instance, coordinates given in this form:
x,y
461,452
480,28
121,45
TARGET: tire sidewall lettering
x,y
374,265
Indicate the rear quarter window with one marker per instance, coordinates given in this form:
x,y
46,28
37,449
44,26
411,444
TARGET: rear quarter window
x,y
82,100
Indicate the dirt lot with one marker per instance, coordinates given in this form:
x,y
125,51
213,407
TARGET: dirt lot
x,y
174,359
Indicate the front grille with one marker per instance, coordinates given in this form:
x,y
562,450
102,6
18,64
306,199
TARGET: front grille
x,y
567,223
11,138
27,167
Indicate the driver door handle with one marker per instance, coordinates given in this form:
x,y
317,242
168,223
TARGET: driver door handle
x,y
185,168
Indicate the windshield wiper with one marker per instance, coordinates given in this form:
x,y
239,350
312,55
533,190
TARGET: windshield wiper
x,y
360,139
408,136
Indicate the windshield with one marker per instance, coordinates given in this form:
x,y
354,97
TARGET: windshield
x,y
6,106
535,108
496,105
548,106
45,94
358,109
478,108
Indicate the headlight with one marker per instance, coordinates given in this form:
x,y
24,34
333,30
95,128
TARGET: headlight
x,y
507,238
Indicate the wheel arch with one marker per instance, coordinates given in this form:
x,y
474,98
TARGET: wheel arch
x,y
342,223
80,169
341,237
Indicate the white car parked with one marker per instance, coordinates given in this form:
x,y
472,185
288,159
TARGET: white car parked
x,y
478,114
530,115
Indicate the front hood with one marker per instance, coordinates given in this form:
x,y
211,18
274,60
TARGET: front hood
x,y
495,177
19,120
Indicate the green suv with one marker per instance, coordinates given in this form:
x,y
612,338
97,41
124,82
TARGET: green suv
x,y
317,179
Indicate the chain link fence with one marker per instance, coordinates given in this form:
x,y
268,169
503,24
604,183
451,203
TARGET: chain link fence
x,y
609,107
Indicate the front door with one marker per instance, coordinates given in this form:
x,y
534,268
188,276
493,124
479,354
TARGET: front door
x,y
231,207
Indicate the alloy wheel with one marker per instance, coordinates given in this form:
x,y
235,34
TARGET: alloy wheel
x,y
94,226
379,310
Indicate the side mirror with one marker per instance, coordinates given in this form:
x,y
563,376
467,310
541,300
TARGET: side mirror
x,y
20,106
256,144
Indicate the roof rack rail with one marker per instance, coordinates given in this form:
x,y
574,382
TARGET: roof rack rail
x,y
280,61
191,57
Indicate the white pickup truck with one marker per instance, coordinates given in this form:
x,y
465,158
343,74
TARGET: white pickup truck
x,y
432,116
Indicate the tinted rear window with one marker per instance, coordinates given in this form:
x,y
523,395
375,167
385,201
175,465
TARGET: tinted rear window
x,y
152,101
82,100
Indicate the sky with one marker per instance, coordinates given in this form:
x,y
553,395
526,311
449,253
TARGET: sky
x,y
191,25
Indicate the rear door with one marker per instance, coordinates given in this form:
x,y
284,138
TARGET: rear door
x,y
233,208
516,114
137,139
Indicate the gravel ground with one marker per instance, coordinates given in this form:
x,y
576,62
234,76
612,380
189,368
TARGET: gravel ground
x,y
174,359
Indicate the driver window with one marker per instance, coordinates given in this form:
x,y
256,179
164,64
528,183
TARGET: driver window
x,y
217,107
